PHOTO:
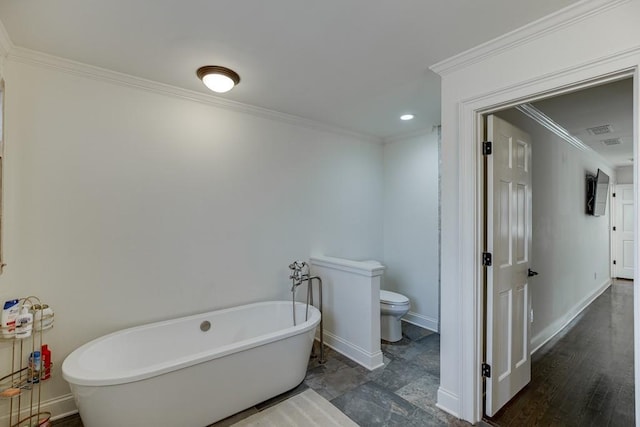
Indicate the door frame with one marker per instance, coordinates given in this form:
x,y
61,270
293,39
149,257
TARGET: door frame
x,y
470,130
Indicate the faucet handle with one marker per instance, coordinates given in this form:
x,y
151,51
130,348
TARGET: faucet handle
x,y
297,265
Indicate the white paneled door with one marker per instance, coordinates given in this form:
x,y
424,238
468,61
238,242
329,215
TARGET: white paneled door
x,y
509,242
623,232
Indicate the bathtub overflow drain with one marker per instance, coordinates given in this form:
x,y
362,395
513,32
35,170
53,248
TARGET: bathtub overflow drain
x,y
205,326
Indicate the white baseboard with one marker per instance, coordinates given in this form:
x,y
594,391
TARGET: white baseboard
x,y
64,415
359,355
59,407
552,330
448,402
423,321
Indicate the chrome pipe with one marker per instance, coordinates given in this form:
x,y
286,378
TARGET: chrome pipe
x,y
322,360
298,276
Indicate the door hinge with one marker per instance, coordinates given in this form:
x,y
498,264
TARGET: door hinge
x,y
614,194
486,259
614,228
487,148
614,262
486,370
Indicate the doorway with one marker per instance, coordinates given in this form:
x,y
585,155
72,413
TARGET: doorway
x,y
545,59
564,229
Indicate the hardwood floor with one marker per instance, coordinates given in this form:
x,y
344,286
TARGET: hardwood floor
x,y
584,375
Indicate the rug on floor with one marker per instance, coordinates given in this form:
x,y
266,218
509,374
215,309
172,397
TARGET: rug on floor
x,y
305,409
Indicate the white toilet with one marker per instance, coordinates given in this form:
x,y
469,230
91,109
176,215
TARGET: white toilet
x,y
392,307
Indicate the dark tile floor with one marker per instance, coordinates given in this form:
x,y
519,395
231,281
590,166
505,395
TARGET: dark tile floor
x,y
584,375
402,393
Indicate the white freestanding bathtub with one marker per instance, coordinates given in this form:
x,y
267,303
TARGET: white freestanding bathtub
x,y
172,373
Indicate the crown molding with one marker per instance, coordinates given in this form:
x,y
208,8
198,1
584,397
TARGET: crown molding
x,y
550,125
548,24
32,57
412,134
6,45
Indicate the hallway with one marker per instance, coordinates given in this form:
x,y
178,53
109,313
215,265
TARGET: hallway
x,y
584,375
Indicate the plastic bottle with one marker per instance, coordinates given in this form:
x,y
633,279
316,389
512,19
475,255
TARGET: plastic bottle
x,y
35,363
8,318
46,362
24,323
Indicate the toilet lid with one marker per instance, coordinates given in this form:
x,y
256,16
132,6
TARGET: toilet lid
x,y
393,298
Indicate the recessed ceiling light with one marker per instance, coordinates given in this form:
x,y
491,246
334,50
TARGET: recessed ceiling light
x,y
218,79
407,117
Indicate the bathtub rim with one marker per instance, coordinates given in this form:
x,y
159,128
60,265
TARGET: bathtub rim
x,y
74,374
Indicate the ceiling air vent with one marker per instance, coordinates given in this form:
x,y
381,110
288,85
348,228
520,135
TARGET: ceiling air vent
x,y
600,130
612,141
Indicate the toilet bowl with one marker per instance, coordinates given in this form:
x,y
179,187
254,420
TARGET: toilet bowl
x,y
392,307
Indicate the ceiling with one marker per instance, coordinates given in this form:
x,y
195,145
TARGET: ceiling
x,y
609,104
356,65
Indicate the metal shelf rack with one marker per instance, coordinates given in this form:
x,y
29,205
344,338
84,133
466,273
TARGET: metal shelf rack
x,y
22,385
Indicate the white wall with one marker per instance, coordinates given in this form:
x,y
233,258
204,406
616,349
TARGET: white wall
x,y
599,38
570,250
624,175
411,225
125,206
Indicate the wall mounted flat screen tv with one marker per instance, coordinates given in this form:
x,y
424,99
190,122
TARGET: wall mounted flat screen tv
x,y
597,193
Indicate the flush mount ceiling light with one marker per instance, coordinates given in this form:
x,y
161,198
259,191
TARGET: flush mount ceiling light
x,y
406,117
218,79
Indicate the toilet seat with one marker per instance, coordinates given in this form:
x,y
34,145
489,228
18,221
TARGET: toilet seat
x,y
388,297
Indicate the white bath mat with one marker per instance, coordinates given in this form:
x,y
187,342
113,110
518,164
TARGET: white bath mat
x,y
305,409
